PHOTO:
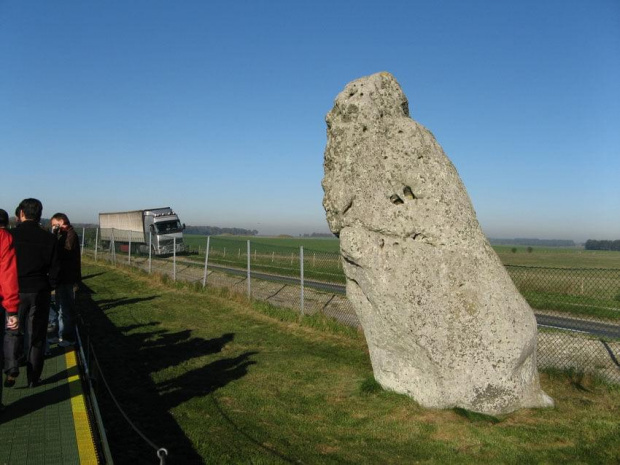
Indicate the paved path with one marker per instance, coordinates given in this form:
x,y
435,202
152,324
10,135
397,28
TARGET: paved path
x,y
47,425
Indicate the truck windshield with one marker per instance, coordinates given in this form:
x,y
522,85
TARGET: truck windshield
x,y
165,227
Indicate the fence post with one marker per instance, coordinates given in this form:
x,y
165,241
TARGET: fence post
x,y
249,282
129,250
204,279
301,276
83,236
96,241
150,252
174,258
113,247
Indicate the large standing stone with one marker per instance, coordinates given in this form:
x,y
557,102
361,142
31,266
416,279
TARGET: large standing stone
x,y
443,321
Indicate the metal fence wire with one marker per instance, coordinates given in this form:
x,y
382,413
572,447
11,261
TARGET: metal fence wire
x,y
577,309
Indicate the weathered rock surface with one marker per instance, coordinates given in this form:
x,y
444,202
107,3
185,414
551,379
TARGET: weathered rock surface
x,y
443,321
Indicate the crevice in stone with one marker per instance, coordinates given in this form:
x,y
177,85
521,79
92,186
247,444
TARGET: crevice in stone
x,y
408,193
350,261
348,207
419,237
396,200
405,107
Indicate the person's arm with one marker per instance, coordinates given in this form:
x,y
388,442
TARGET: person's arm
x,y
9,287
72,241
55,264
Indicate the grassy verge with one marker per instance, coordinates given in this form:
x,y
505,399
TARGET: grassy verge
x,y
215,379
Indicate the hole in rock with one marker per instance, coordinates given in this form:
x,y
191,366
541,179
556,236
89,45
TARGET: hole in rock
x,y
408,193
396,200
348,207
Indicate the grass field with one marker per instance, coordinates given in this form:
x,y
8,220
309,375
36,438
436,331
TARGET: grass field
x,y
326,245
558,257
217,380
539,256
575,281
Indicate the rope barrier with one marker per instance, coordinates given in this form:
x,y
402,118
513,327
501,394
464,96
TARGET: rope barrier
x,y
161,452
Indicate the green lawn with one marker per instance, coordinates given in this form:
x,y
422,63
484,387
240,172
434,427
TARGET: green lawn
x,y
217,380
290,244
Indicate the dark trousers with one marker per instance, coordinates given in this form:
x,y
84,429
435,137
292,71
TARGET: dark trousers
x,y
2,339
34,311
12,347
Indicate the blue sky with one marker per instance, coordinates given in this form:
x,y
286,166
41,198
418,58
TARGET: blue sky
x,y
216,108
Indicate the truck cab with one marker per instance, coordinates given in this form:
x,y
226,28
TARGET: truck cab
x,y
166,231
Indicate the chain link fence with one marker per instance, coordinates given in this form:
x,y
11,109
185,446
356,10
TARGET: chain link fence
x,y
578,310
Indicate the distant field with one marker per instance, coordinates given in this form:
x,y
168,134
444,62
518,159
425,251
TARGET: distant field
x,y
328,245
539,256
558,257
572,280
274,255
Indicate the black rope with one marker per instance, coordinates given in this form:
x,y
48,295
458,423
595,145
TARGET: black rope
x,y
161,452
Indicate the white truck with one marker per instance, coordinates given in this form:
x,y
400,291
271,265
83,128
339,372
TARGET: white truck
x,y
135,230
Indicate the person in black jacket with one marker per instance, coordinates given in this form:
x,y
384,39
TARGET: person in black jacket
x,y
37,271
70,275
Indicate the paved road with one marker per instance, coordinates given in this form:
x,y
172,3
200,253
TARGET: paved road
x,y
581,326
318,285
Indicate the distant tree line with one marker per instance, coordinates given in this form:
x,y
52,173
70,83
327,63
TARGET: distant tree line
x,y
592,244
315,234
215,231
534,242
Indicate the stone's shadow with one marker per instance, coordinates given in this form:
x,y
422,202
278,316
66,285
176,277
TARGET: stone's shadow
x,y
128,357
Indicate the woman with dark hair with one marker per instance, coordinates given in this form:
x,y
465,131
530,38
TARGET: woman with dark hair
x,y
70,275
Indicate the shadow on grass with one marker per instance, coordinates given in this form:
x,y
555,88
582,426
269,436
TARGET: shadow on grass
x,y
128,356
111,303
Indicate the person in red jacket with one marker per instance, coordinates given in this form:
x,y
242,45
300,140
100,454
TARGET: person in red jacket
x,y
9,290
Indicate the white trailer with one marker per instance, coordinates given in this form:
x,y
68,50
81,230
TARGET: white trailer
x,y
159,227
